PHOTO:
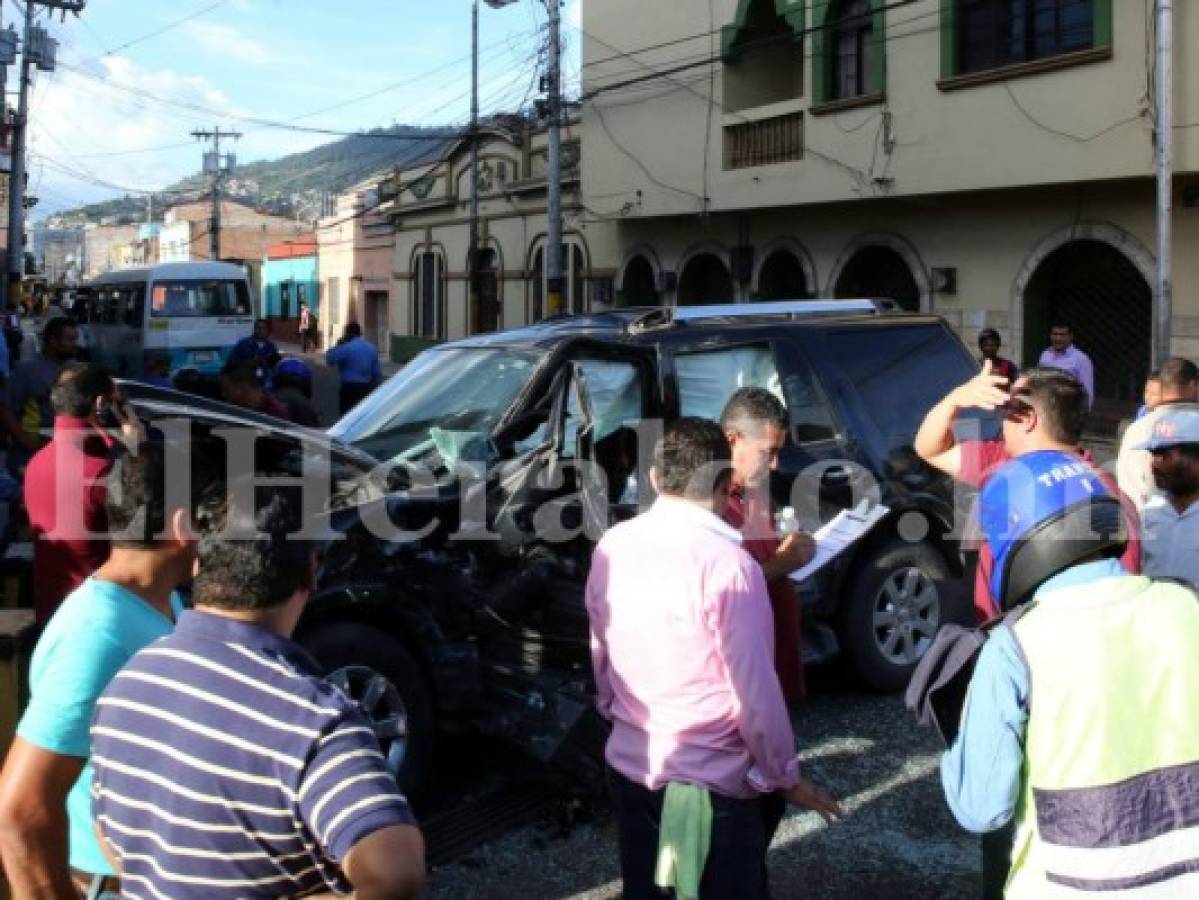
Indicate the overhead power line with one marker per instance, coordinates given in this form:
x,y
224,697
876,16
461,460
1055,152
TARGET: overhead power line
x,y
225,114
156,32
179,145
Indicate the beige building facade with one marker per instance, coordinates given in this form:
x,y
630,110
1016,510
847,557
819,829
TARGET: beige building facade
x,y
430,206
356,267
983,161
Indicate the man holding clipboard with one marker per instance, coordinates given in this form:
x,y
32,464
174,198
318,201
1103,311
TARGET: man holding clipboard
x,y
755,424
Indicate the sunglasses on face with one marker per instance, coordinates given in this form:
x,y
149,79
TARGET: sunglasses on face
x,y
1016,405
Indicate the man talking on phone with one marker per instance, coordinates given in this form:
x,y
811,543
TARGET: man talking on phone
x,y
64,482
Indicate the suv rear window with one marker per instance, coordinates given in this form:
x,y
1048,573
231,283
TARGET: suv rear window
x,y
900,373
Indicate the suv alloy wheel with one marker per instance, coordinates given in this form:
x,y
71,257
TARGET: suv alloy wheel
x,y
902,593
379,669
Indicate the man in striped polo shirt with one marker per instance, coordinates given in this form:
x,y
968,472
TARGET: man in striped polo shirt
x,y
225,765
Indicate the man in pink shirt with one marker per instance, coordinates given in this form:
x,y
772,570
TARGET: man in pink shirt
x,y
682,645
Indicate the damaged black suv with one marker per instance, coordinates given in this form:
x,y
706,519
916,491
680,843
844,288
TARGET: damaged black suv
x,y
455,596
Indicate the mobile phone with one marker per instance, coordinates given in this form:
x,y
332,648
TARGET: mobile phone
x,y
111,413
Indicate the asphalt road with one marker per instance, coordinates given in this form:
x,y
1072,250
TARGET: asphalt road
x,y
897,842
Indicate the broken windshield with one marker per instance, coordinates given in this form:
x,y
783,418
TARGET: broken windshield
x,y
444,402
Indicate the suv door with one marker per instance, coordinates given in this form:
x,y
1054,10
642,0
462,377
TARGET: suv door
x,y
905,580
574,468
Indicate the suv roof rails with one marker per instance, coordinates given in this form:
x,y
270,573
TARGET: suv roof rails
x,y
789,309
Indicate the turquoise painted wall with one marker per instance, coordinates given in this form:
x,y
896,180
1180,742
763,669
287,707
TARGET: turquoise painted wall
x,y
299,277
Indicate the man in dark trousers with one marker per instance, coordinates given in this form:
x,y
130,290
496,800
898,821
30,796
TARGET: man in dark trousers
x,y
702,757
357,362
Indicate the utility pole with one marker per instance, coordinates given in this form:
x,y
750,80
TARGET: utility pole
x,y
472,255
553,203
40,50
8,56
1164,292
217,165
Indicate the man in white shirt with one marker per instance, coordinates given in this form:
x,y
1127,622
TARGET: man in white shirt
x,y
1179,389
1172,521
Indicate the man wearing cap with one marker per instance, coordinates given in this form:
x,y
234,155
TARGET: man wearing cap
x,y
1097,765
1179,390
1172,520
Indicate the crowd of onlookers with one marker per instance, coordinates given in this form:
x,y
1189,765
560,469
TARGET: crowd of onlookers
x,y
198,752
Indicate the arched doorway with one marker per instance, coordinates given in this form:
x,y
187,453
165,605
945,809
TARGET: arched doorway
x,y
705,280
782,278
639,286
877,272
1103,296
487,292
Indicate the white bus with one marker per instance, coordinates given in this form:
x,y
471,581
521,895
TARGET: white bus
x,y
193,313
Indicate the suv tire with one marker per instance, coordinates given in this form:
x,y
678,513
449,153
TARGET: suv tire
x,y
352,644
901,594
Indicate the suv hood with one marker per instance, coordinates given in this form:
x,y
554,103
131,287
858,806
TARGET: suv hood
x,y
354,470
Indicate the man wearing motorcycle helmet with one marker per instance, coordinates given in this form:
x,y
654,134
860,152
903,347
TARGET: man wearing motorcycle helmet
x,y
1097,763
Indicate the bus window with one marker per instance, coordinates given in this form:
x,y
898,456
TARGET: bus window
x,y
111,305
81,307
133,303
170,299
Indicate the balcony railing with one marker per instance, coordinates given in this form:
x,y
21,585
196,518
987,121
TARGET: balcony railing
x,y
764,143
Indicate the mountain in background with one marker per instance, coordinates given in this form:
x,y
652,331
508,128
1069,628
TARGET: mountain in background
x,y
297,186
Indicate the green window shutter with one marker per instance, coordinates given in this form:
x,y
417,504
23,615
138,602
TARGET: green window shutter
x,y
876,78
949,39
1103,23
822,64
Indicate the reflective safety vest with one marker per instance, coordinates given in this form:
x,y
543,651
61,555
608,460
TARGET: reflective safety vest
x,y
1110,804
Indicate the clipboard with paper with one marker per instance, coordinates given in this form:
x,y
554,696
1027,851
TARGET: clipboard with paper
x,y
835,537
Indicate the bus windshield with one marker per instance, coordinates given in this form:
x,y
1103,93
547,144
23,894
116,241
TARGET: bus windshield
x,y
205,297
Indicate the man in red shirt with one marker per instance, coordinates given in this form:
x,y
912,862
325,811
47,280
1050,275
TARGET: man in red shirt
x,y
64,483
1044,410
755,424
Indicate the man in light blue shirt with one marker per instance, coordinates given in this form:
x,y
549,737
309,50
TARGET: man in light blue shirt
x,y
981,772
47,840
357,362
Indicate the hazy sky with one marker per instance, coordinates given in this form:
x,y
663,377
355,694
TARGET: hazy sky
x,y
296,61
